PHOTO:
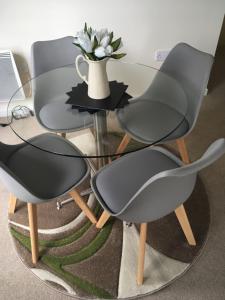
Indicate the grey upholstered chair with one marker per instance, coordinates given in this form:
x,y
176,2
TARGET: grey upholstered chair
x,y
35,176
50,90
148,184
191,69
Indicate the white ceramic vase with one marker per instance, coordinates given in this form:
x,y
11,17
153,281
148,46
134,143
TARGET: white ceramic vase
x,y
98,84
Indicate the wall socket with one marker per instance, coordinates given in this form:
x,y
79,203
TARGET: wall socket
x,y
161,54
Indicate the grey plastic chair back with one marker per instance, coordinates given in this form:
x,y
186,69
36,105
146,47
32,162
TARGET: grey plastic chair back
x,y
47,56
191,68
52,54
174,95
167,190
49,89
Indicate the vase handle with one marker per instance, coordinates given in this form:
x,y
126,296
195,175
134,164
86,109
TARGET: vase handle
x,y
77,63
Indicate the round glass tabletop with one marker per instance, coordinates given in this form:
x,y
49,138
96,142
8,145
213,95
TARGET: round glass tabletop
x,y
154,113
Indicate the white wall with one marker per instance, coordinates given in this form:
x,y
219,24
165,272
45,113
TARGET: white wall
x,y
144,25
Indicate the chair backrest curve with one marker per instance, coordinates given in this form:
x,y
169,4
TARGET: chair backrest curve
x,y
171,186
52,54
214,152
191,68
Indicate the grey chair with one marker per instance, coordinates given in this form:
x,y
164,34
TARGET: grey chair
x,y
36,176
147,185
191,69
50,90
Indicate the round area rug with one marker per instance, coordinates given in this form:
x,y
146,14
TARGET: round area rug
x,y
82,261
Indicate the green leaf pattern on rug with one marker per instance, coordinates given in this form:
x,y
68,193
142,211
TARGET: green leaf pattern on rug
x,y
71,238
56,263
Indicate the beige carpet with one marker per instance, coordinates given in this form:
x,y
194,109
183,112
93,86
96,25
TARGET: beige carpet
x,y
206,279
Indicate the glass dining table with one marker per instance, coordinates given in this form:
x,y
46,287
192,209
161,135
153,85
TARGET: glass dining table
x,y
99,138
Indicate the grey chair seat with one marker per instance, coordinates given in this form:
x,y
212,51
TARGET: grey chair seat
x,y
61,117
149,184
148,121
118,182
48,175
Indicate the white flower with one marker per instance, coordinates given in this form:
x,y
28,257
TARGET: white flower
x,y
83,40
103,32
100,52
105,41
86,45
93,34
96,43
109,50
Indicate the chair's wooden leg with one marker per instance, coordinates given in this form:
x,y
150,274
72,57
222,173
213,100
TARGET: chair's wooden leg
x,y
122,146
83,206
183,150
103,219
141,255
63,134
12,204
185,225
32,215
